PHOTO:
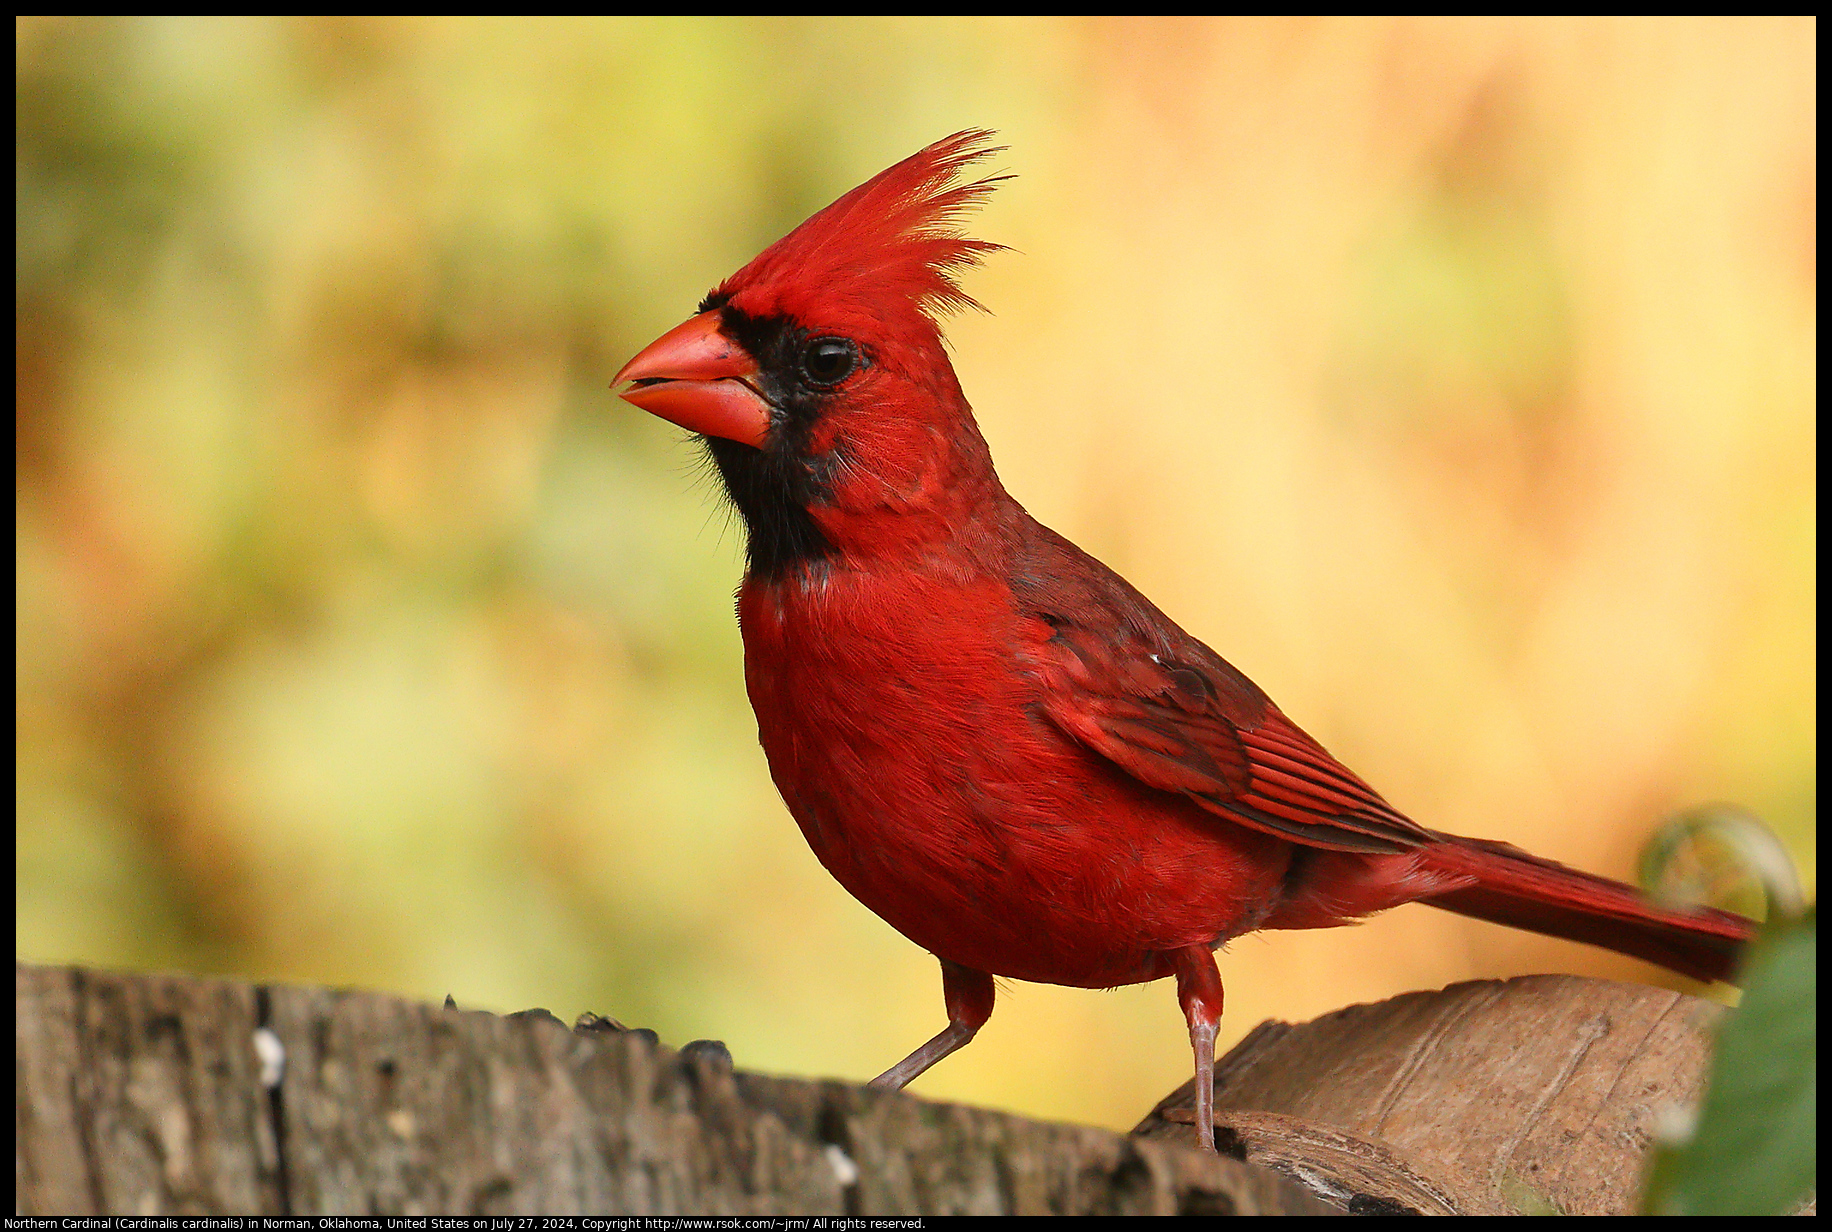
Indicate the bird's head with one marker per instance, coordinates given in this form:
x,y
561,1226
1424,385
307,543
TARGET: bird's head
x,y
817,377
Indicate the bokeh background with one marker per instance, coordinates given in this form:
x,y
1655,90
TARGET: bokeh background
x,y
1454,378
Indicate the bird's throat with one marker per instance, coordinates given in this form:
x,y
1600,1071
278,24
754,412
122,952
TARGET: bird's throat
x,y
771,493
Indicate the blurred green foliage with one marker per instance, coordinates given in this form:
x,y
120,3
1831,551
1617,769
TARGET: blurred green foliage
x,y
1455,378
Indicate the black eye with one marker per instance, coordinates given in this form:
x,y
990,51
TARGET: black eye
x,y
828,361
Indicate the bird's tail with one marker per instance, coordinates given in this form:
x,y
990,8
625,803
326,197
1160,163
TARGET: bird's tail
x,y
1524,891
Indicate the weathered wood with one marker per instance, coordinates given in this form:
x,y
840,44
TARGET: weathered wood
x,y
1493,1097
140,1094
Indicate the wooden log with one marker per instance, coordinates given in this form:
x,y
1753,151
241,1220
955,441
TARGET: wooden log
x,y
1529,1095
146,1094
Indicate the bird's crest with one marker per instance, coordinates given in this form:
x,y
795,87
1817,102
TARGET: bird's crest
x,y
887,252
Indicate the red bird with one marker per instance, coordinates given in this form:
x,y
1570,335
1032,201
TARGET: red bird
x,y
988,736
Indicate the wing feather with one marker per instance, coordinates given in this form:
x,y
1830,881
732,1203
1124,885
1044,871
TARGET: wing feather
x,y
1190,723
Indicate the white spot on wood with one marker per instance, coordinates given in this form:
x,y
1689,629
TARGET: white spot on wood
x,y
272,1054
843,1168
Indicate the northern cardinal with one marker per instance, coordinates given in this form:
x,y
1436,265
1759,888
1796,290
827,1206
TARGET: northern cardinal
x,y
990,738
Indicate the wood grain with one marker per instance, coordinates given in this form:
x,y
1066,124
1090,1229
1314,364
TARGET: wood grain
x,y
1485,1098
143,1094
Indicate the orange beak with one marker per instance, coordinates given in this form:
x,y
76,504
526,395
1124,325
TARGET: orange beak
x,y
695,376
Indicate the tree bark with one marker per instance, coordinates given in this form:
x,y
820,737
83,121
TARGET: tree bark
x,y
159,1094
153,1094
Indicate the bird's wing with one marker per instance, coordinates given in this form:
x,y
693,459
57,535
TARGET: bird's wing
x,y
1187,721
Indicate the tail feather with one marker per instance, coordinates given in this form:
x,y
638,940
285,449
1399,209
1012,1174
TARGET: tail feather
x,y
1524,891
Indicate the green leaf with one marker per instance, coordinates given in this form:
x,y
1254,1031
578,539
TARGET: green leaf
x,y
1754,1150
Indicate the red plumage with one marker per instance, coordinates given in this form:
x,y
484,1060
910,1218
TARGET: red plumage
x,y
885,253
987,736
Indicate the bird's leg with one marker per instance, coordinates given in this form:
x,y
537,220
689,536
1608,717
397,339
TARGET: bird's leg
x,y
969,997
1199,991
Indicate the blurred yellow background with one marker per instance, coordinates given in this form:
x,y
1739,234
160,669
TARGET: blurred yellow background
x,y
1453,378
